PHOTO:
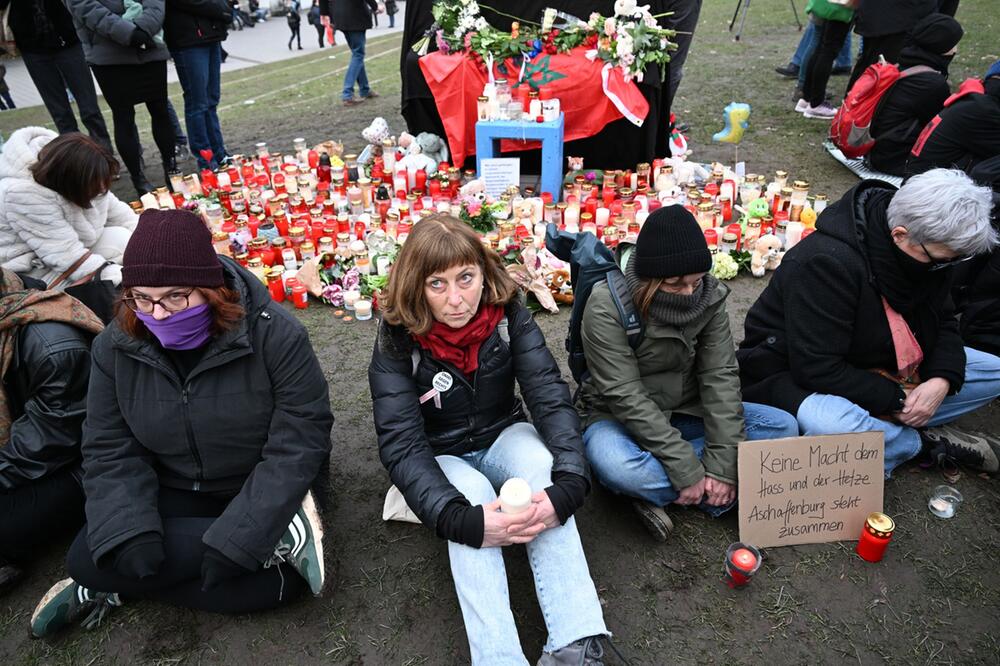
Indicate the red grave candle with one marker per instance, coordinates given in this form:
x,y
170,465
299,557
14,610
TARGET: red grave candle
x,y
711,237
742,562
875,536
300,296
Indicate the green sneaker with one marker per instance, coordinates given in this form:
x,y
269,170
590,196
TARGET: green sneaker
x,y
302,545
66,602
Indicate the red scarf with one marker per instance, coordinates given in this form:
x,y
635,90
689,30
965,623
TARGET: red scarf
x,y
460,346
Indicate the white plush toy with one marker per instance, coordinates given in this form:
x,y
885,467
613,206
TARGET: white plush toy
x,y
374,134
767,255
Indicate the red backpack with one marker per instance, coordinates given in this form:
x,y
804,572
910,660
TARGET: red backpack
x,y
851,127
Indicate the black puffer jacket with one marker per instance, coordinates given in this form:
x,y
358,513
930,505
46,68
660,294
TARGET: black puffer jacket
x,y
251,421
40,26
196,22
46,387
472,414
820,326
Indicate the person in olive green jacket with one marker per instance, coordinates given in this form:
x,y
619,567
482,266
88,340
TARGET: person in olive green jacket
x,y
662,422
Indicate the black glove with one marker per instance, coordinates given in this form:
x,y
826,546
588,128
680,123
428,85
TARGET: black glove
x,y
141,40
139,557
216,568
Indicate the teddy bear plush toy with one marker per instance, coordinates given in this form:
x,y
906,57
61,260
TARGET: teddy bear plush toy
x,y
374,134
558,282
766,256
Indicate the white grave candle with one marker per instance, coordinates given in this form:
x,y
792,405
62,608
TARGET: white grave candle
x,y
515,496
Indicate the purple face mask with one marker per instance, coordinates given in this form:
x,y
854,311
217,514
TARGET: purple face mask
x,y
187,329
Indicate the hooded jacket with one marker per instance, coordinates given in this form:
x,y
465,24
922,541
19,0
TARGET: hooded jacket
x,y
251,421
913,100
46,387
688,369
191,23
41,232
105,32
964,133
472,413
40,26
820,327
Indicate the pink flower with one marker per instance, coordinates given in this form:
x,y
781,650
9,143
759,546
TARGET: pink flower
x,y
333,294
468,39
351,279
441,44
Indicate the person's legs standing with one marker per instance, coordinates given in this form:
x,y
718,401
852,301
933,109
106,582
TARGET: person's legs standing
x,y
356,42
8,100
801,55
481,578
320,32
565,590
298,35
192,72
127,142
73,67
180,138
832,34
807,55
392,20
684,20
214,96
45,74
163,131
822,414
843,61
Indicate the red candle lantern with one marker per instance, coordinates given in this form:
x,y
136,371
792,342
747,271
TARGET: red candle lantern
x,y
278,182
742,562
253,224
712,190
300,296
875,537
434,187
359,230
178,198
711,237
275,286
727,208
420,182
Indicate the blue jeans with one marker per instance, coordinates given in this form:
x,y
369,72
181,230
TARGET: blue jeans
x,y
356,69
626,468
808,43
198,69
822,414
565,590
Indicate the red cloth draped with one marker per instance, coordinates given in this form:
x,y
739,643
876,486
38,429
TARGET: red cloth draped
x,y
456,81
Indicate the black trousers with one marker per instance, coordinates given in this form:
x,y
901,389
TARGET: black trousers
x,y
684,20
885,45
295,35
52,73
38,512
831,39
186,516
320,33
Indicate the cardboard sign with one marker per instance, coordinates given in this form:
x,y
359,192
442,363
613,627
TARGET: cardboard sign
x,y
809,489
499,173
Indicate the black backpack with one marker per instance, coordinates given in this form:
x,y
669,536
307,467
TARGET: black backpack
x,y
591,262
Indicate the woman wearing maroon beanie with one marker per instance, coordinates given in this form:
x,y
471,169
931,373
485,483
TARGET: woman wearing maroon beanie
x,y
208,421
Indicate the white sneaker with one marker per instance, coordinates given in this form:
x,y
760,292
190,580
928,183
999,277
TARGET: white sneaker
x,y
801,105
824,111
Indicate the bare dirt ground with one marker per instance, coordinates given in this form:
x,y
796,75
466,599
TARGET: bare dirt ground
x,y
390,599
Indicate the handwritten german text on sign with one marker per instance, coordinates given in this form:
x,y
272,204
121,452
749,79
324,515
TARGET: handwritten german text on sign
x,y
809,489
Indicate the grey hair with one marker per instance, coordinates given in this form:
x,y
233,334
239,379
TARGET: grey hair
x,y
945,206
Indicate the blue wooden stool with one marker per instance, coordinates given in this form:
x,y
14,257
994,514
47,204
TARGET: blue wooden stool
x,y
489,133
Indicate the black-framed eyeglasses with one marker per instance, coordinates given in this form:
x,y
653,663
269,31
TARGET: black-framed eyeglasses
x,y
175,301
939,264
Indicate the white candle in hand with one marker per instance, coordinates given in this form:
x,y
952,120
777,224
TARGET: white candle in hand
x,y
515,496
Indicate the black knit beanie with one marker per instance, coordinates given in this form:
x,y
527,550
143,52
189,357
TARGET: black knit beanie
x,y
171,248
937,33
671,244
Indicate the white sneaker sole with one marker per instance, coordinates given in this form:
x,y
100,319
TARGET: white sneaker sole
x,y
316,527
